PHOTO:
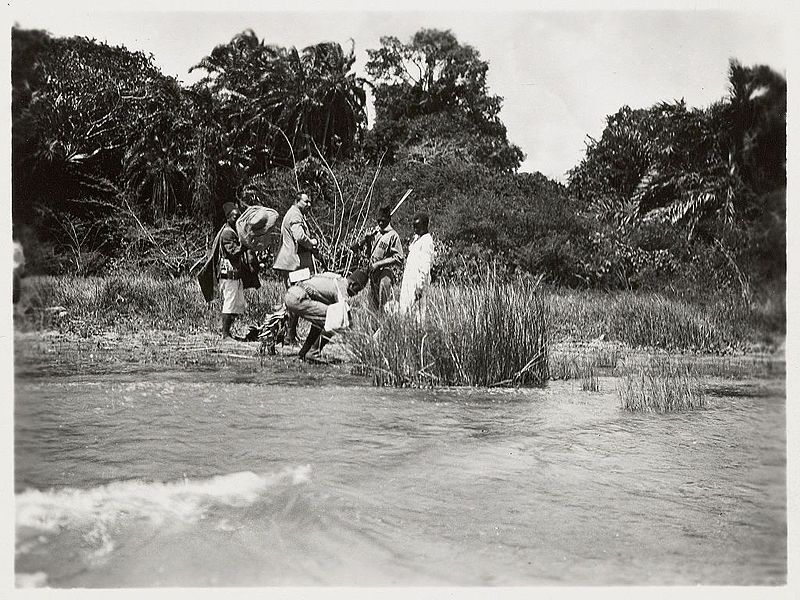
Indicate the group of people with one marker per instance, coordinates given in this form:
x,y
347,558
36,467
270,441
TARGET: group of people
x,y
310,293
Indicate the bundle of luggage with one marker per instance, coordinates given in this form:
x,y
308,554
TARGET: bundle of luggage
x,y
253,227
271,332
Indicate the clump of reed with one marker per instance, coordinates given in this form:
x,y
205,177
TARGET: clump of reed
x,y
576,364
663,385
129,303
563,366
607,358
590,382
584,367
487,334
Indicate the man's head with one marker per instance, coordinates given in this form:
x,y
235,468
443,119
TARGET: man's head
x,y
232,213
420,223
356,281
303,202
383,217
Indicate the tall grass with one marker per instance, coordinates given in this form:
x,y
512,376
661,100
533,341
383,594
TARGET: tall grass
x,y
486,320
661,386
488,334
590,381
129,303
586,367
656,321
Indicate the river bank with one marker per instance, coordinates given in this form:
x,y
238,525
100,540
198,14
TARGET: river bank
x,y
111,352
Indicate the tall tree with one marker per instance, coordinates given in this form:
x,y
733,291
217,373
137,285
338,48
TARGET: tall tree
x,y
265,92
431,96
691,165
82,106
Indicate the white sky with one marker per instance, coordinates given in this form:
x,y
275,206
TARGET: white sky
x,y
560,73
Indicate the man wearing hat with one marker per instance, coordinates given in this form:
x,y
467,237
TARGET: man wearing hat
x,y
386,257
229,267
310,299
231,257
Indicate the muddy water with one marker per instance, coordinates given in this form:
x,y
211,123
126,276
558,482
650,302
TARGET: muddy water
x,y
223,478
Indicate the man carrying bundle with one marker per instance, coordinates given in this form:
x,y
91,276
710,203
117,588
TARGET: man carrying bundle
x,y
311,298
230,267
297,251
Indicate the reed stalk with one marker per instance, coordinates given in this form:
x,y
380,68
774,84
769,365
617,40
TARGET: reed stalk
x,y
489,334
661,386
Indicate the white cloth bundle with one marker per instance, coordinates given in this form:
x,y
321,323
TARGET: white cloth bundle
x,y
337,316
254,225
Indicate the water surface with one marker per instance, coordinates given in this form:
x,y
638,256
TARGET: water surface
x,y
228,478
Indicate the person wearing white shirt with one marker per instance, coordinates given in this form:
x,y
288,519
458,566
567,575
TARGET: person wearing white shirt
x,y
417,274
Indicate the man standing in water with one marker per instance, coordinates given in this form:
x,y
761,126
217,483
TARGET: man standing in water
x,y
417,274
310,299
386,255
297,251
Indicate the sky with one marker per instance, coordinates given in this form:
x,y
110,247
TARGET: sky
x,y
560,72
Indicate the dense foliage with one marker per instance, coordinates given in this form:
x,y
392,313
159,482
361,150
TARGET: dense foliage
x,y
432,103
115,165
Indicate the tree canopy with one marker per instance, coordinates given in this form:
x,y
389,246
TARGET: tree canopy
x,y
431,95
81,110
268,95
690,164
107,152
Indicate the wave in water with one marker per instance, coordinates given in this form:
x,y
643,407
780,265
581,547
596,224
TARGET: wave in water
x,y
97,514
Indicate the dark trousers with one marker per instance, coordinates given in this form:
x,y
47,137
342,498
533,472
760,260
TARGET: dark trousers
x,y
380,290
291,323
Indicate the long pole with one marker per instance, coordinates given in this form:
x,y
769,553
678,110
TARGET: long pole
x,y
403,199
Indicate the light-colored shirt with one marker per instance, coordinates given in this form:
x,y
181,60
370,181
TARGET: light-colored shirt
x,y
417,273
325,287
386,244
296,245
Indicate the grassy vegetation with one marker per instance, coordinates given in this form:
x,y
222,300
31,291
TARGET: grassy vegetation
x,y
656,321
590,381
127,303
486,334
661,386
131,302
583,365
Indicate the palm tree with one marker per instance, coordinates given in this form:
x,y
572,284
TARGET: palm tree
x,y
268,94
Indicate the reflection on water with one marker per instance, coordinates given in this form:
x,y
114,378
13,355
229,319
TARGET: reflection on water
x,y
218,478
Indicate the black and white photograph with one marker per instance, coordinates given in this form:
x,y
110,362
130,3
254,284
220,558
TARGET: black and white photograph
x,y
406,299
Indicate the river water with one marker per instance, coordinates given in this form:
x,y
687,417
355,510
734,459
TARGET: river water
x,y
231,478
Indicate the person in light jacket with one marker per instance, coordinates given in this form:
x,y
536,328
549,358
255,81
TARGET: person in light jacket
x,y
297,251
